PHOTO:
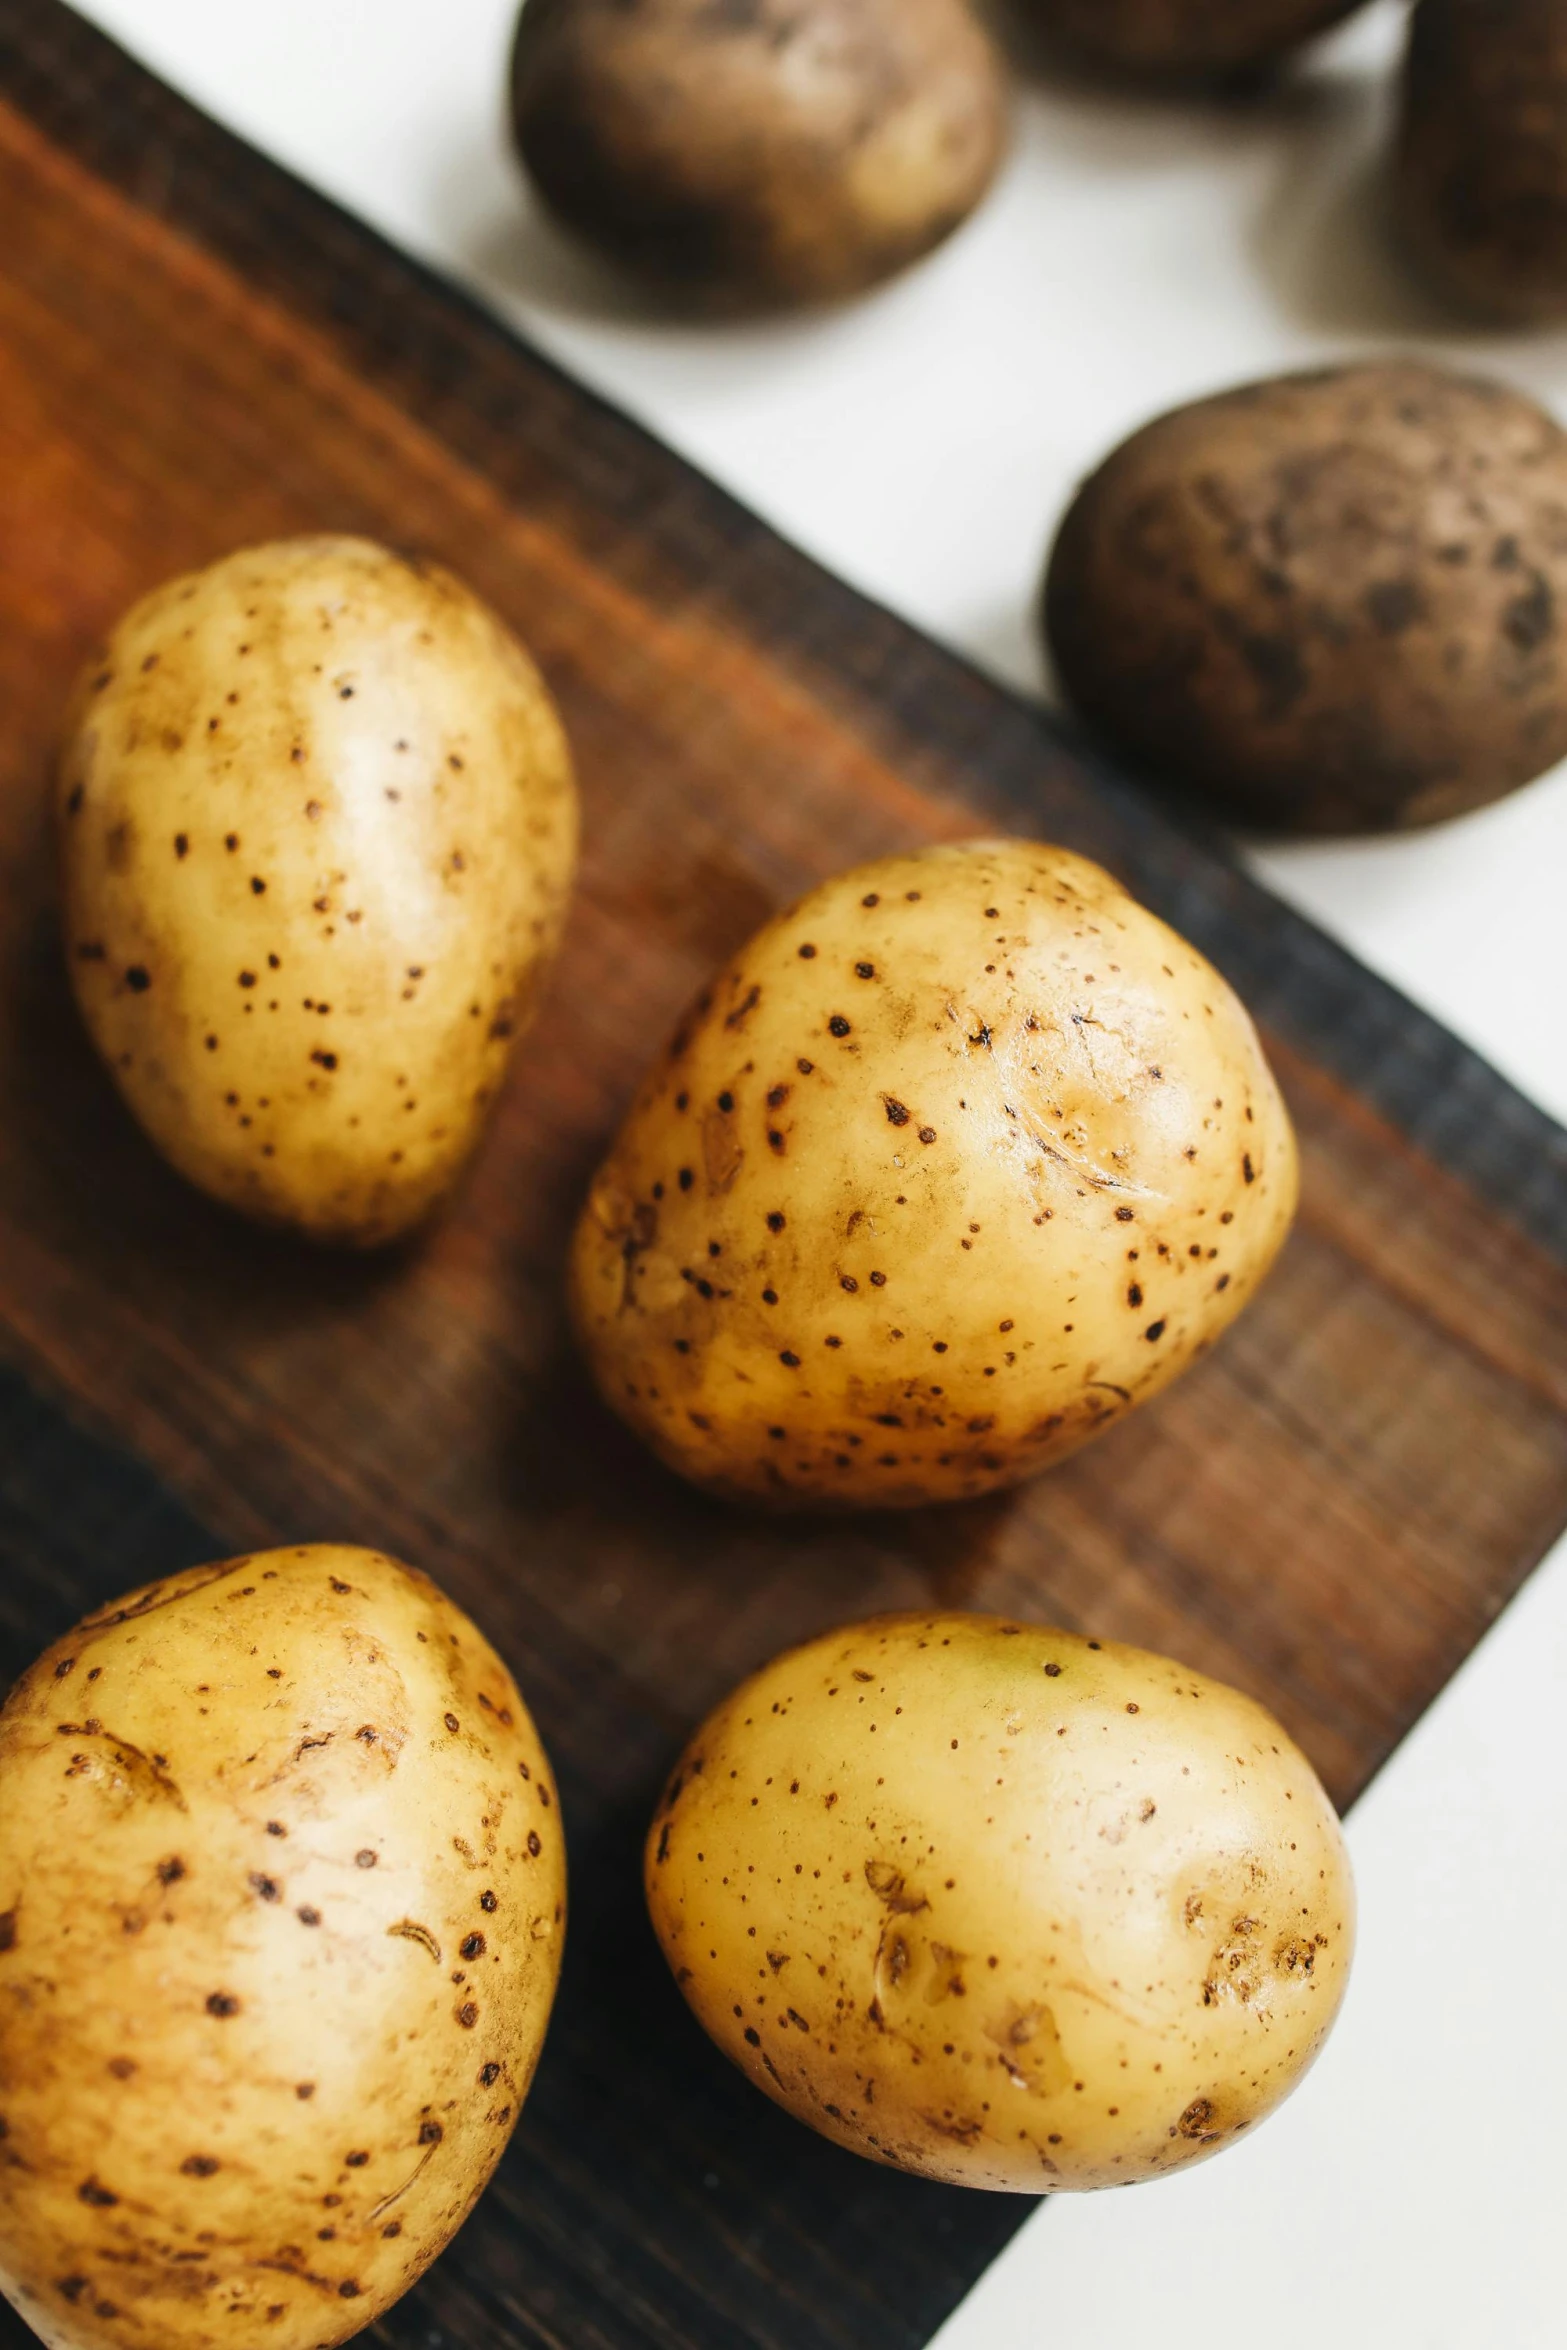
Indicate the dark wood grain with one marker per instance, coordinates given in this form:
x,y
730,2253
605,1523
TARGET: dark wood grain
x,y
195,351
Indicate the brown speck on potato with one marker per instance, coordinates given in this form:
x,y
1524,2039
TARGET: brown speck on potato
x,y
851,1373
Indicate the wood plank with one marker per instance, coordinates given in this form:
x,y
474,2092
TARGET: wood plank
x,y
195,351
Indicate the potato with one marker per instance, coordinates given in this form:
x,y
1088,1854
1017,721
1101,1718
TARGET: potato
x,y
1185,38
958,1161
281,1906
318,826
1326,603
786,151
1004,1906
1482,163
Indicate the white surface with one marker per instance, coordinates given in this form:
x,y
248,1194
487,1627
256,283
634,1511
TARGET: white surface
x,y
923,443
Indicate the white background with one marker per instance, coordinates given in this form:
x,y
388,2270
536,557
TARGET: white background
x,y
922,443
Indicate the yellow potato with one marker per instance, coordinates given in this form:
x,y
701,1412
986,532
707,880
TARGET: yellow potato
x,y
1001,1905
959,1160
318,827
282,1890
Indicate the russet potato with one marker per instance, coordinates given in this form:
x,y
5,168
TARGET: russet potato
x,y
1482,155
1330,602
785,151
1179,40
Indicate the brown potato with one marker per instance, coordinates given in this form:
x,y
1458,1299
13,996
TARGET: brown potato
x,y
1181,39
317,825
1326,603
282,1889
1002,1905
785,151
958,1161
1482,155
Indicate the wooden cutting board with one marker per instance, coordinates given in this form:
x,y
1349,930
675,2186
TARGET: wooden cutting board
x,y
194,351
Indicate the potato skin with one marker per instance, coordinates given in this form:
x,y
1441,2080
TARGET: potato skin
x,y
1326,603
1181,39
1003,1906
318,826
960,1158
1482,155
282,1890
785,151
